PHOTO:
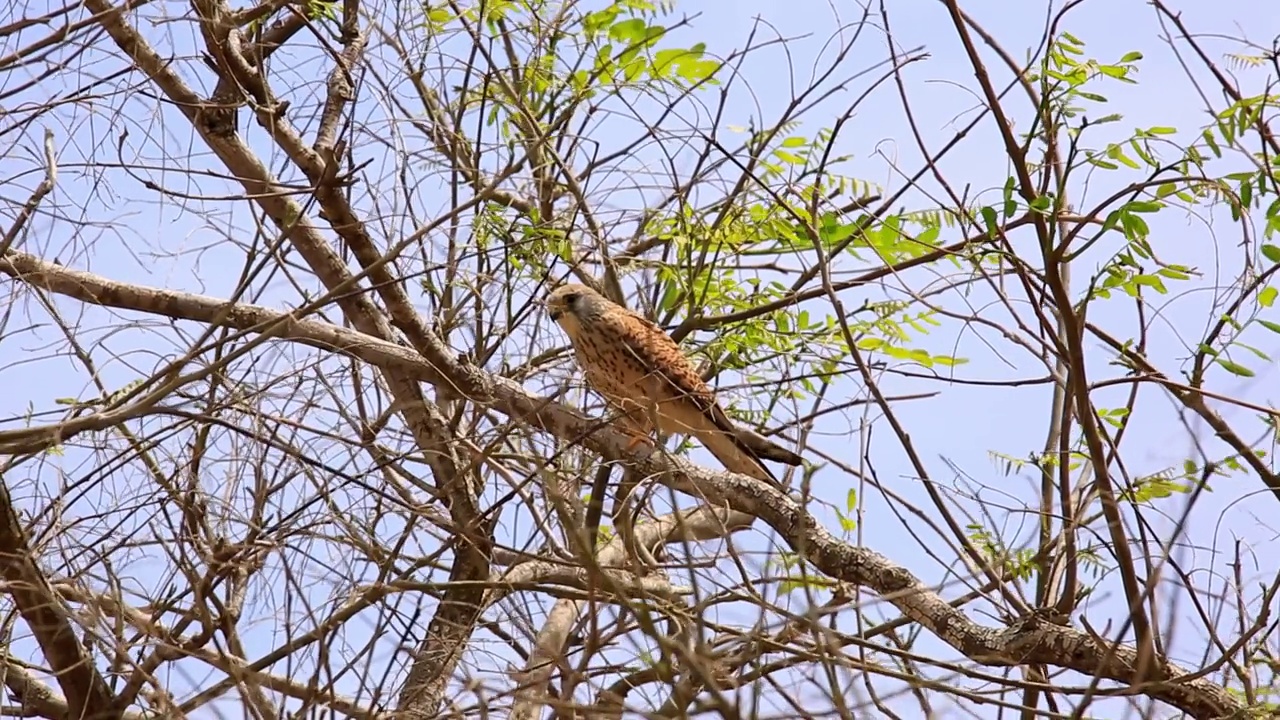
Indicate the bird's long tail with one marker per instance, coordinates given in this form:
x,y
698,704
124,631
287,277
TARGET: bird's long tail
x,y
737,456
766,449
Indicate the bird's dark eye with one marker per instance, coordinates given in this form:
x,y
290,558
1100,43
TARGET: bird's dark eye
x,y
572,298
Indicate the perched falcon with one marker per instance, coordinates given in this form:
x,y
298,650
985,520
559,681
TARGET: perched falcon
x,y
640,370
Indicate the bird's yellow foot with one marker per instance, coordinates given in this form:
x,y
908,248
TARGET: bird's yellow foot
x,y
637,441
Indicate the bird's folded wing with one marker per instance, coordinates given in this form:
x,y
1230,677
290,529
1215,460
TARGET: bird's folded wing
x,y
658,353
691,403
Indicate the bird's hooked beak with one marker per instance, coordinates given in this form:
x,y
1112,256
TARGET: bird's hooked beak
x,y
561,302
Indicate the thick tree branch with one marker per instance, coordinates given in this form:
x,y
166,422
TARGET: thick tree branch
x,y
87,695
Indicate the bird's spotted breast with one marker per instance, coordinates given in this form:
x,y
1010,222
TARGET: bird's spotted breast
x,y
611,368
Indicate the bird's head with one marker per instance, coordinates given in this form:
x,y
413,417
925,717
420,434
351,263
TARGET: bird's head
x,y
572,305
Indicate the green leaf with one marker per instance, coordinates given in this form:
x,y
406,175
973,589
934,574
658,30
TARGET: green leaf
x,y
1154,488
1273,327
1174,273
633,69
439,16
1115,152
698,70
1271,252
788,157
1141,152
1010,205
1267,297
1145,206
1118,73
669,295
1211,142
804,581
1131,56
632,30
1151,281
1274,208
664,60
594,22
989,217
1235,368
1261,355
832,232
1134,226
604,55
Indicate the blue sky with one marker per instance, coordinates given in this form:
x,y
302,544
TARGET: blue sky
x,y
138,238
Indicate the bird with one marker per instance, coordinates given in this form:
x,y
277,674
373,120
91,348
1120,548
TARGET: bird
x,y
639,369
